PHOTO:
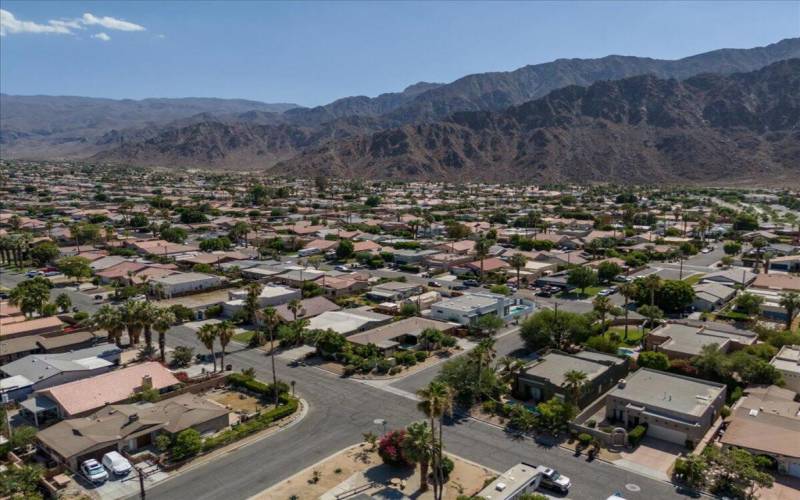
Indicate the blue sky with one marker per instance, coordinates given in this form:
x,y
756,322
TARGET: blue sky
x,y
311,53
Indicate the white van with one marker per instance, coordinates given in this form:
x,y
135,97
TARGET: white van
x,y
117,464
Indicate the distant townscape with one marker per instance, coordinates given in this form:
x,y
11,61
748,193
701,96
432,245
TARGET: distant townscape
x,y
163,330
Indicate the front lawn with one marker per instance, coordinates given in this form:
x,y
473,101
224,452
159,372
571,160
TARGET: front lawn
x,y
694,279
244,337
634,334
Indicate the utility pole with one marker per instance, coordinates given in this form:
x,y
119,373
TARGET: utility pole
x,y
141,482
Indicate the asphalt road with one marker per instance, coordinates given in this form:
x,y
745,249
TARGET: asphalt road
x,y
341,410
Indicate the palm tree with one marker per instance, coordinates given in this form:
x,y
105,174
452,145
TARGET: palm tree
x,y
132,320
628,291
64,302
518,261
295,306
417,447
602,306
482,250
758,244
484,353
651,283
791,302
251,301
271,320
206,335
148,314
110,319
436,402
163,322
652,313
225,332
574,380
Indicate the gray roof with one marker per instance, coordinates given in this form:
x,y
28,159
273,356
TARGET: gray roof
x,y
657,389
554,365
470,301
38,367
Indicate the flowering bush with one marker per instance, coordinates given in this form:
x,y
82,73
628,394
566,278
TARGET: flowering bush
x,y
390,448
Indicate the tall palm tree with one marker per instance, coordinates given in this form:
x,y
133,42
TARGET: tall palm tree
x,y
206,335
602,306
225,332
271,320
758,245
251,301
791,302
436,402
574,381
417,447
148,314
628,291
518,261
294,305
109,318
651,283
163,322
133,321
482,250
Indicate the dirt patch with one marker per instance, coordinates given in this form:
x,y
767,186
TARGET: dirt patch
x,y
237,401
360,469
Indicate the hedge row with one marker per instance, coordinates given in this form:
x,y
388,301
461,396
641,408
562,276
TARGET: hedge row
x,y
244,382
253,425
636,435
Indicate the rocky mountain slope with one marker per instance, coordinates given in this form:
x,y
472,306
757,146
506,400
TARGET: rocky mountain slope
x,y
710,128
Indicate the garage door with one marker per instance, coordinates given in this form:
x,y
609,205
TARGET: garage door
x,y
793,469
671,435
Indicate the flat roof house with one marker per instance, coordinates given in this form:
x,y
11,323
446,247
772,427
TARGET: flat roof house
x,y
392,291
767,422
545,378
184,283
348,321
675,408
468,308
787,361
687,339
389,338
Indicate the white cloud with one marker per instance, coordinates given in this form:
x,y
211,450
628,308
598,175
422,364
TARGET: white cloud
x,y
110,23
11,25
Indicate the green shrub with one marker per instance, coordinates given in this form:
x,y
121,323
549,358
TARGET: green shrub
x,y
243,381
187,444
253,425
591,423
420,355
489,406
635,436
584,439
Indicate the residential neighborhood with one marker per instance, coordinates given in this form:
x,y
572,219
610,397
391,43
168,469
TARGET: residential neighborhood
x,y
637,341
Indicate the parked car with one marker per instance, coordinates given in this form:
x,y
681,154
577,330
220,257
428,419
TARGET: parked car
x,y
94,472
33,274
458,288
471,283
117,464
623,278
342,268
605,292
51,273
707,249
551,479
434,284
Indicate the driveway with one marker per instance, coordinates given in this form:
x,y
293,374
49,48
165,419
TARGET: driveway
x,y
653,457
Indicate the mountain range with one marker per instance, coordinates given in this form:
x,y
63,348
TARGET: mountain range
x,y
617,118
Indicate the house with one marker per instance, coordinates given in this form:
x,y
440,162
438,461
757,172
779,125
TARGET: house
x,y
777,282
491,264
711,296
787,361
84,396
675,408
47,370
392,291
684,339
730,277
786,263
463,247
322,245
411,257
545,378
349,321
389,338
128,427
767,422
298,277
468,308
270,295
38,326
517,481
343,286
19,347
309,308
184,283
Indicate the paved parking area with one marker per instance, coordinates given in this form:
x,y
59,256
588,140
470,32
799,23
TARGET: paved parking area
x,y
128,486
653,457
